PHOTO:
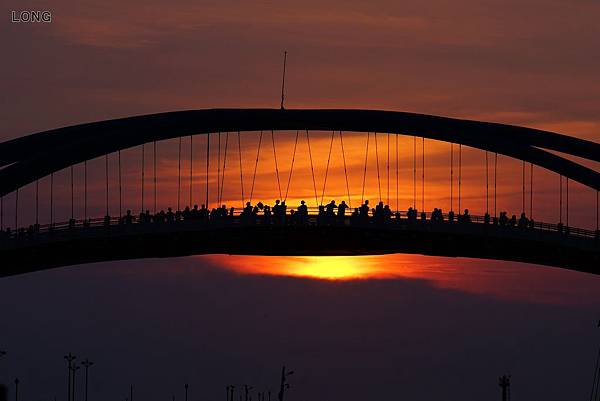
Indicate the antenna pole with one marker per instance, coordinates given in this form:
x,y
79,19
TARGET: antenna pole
x,y
283,79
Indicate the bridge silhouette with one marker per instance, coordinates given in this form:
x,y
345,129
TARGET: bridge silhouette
x,y
310,228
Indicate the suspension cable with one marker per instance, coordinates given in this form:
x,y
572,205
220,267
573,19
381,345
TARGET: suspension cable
x,y
560,201
287,188
218,168
37,202
155,183
451,175
312,169
345,170
191,168
224,166
567,189
397,168
16,209
388,169
423,175
377,164
106,176
414,172
276,164
327,167
531,190
207,165
459,177
179,176
72,194
495,182
120,187
365,171
143,173
52,199
523,183
85,216
597,211
256,165
487,185
241,172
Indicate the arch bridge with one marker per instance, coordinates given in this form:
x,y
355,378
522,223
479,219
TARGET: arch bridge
x,y
36,242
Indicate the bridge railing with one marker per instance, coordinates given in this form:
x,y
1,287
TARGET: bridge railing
x,y
313,214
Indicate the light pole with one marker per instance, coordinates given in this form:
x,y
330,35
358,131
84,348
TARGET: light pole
x,y
247,388
70,358
596,381
75,369
186,391
86,364
284,385
17,389
2,353
504,383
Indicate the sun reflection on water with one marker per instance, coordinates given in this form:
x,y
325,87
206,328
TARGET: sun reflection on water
x,y
506,280
318,267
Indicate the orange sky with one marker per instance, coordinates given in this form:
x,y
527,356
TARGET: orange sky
x,y
437,177
532,64
387,324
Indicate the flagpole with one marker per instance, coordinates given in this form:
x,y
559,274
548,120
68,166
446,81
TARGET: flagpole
x,y
596,381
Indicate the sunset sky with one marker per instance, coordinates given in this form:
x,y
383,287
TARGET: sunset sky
x,y
405,326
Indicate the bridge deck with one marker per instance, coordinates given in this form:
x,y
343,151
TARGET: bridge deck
x,y
65,244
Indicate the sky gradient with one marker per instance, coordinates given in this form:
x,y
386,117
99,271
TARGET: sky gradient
x,y
404,326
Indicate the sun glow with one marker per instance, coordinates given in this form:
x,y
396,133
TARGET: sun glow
x,y
506,280
320,267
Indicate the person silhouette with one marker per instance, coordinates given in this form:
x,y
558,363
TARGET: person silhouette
x,y
267,215
128,219
329,208
170,216
364,209
248,209
302,213
282,212
523,221
321,215
195,213
387,213
466,217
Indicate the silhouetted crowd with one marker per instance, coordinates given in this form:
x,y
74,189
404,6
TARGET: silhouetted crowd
x,y
328,215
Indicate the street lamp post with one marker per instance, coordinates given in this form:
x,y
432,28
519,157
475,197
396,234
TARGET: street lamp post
x,y
596,381
230,392
2,353
284,385
17,389
70,358
247,388
186,391
75,369
86,364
